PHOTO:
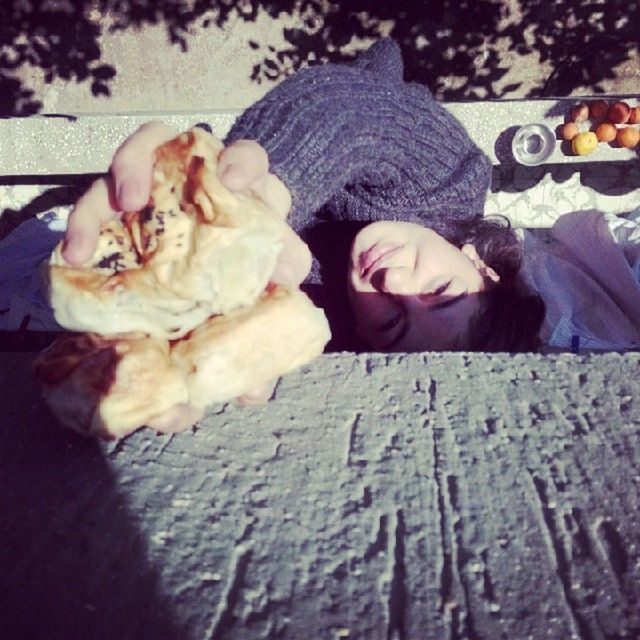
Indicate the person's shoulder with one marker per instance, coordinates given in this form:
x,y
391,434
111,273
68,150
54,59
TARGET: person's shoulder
x,y
383,59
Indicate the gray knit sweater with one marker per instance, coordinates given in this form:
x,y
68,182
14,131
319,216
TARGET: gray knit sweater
x,y
354,144
372,146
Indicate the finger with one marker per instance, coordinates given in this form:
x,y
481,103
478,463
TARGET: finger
x,y
275,194
243,165
178,418
294,261
95,207
132,164
258,395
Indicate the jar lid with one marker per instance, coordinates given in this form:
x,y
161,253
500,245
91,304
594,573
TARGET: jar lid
x,y
533,144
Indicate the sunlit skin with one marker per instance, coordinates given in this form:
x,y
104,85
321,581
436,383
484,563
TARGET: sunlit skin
x,y
412,290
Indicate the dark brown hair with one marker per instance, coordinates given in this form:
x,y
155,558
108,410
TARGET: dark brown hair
x,y
510,314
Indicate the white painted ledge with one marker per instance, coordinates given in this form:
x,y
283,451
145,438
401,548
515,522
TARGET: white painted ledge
x,y
77,144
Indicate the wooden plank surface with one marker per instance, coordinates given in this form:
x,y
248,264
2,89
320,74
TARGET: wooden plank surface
x,y
378,496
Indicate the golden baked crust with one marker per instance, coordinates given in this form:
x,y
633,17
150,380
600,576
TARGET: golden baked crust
x,y
110,387
196,250
177,304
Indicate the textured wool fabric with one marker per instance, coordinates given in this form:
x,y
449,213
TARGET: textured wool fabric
x,y
366,144
354,144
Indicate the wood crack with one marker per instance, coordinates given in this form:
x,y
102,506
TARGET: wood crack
x,y
225,618
447,600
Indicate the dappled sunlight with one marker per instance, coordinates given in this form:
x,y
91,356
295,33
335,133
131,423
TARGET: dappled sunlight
x,y
461,51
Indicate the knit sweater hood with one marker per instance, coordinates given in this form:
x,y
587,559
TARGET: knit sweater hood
x,y
366,144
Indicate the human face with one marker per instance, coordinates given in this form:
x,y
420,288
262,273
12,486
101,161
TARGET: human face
x,y
412,290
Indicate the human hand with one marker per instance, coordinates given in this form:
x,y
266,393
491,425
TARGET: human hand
x,y
176,419
127,187
258,395
242,167
183,416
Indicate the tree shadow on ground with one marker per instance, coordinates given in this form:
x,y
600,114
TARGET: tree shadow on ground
x,y
461,50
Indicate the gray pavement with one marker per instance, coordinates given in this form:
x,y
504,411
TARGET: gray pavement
x,y
476,497
125,57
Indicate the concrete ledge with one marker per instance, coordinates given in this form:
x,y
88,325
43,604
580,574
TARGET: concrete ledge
x,y
70,144
463,496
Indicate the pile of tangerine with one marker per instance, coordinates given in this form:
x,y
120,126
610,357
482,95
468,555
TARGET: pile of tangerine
x,y
613,118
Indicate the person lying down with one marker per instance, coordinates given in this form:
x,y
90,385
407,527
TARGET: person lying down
x,y
177,305
387,190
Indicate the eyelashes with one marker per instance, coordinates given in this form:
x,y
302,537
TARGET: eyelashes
x,y
392,322
399,320
395,320
399,336
437,292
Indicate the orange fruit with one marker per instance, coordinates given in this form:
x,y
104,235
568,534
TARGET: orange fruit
x,y
569,131
598,109
584,143
619,112
634,116
580,112
606,132
628,137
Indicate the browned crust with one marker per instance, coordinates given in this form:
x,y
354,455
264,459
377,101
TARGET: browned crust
x,y
86,354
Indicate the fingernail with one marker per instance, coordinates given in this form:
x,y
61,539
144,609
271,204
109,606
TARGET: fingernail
x,y
129,192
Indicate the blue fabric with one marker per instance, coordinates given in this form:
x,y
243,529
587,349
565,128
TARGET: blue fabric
x,y
21,283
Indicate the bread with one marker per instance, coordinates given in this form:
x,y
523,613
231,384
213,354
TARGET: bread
x,y
196,250
176,304
110,387
230,355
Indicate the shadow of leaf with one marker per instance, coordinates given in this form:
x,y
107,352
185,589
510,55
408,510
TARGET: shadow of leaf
x,y
461,51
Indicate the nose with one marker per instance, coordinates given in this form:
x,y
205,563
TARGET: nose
x,y
404,281
396,280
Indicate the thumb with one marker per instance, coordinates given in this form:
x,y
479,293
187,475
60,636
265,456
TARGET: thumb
x,y
235,178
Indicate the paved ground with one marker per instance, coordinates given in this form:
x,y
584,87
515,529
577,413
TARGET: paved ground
x,y
199,56
481,497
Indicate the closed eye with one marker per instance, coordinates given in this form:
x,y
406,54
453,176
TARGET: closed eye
x,y
398,320
392,322
401,334
442,288
437,292
449,301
